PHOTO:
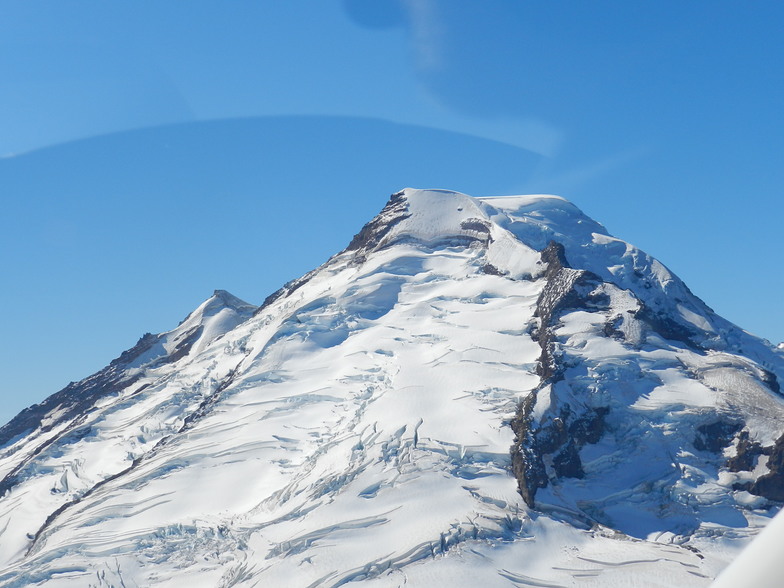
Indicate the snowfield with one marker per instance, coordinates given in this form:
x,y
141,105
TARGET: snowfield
x,y
356,428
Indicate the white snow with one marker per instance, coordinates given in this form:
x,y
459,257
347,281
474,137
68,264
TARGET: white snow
x,y
357,429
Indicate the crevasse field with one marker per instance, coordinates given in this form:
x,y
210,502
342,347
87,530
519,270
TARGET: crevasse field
x,y
356,427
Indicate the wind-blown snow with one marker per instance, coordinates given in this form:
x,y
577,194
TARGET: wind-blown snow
x,y
356,428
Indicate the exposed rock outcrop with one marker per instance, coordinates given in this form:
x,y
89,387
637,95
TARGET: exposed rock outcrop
x,y
771,485
714,437
747,452
372,234
557,438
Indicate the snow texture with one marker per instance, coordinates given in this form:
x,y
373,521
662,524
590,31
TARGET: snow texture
x,y
356,427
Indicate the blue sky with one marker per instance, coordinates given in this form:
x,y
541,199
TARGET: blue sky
x,y
153,151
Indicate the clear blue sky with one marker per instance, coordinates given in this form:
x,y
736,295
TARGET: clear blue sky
x,y
152,151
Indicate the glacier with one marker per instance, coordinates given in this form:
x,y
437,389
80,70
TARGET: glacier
x,y
486,391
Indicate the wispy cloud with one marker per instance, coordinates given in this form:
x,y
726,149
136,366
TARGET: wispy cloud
x,y
427,34
571,179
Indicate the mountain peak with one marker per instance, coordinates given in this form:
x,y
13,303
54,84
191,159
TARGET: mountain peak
x,y
230,300
513,230
220,299
437,215
475,391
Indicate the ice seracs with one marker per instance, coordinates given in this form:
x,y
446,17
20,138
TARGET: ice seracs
x,y
475,391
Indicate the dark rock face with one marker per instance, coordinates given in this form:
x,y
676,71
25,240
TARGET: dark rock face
x,y
747,453
567,462
527,465
667,328
565,288
286,290
771,381
559,437
371,235
771,485
144,343
554,256
491,270
368,238
611,329
185,344
714,437
477,225
589,428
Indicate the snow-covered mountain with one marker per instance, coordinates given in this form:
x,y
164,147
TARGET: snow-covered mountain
x,y
476,391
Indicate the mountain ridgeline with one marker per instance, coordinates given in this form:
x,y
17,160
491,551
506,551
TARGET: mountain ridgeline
x,y
476,390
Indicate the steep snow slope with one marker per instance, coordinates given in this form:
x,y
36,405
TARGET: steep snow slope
x,y
357,426
56,452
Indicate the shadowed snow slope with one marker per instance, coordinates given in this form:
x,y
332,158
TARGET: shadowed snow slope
x,y
477,391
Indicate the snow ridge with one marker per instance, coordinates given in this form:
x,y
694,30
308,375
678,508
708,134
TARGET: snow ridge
x,y
357,426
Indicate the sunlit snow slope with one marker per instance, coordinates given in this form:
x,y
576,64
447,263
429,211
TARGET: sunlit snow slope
x,y
485,391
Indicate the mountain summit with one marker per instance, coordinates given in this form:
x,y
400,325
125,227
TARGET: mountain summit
x,y
476,391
